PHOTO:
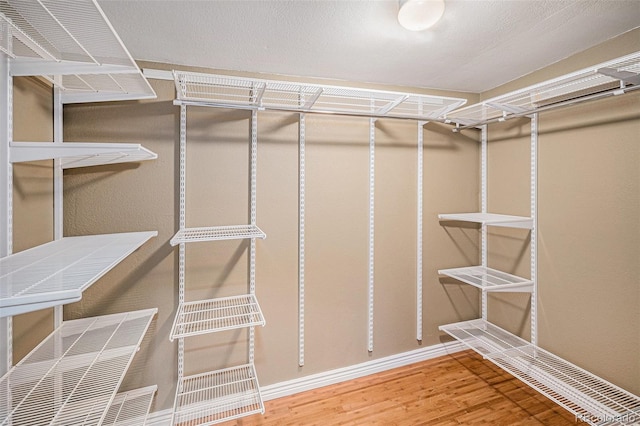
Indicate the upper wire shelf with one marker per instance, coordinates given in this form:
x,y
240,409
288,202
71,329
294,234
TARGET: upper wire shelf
x,y
56,273
609,78
72,44
249,93
72,376
589,397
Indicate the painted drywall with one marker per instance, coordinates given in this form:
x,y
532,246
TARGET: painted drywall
x,y
32,198
145,196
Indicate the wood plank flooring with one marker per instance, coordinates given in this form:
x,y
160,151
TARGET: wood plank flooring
x,y
457,389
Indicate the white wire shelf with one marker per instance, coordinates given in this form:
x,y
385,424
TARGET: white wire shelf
x,y
214,315
491,219
58,272
612,77
79,154
72,44
130,408
489,279
587,396
127,408
72,376
216,233
214,397
237,92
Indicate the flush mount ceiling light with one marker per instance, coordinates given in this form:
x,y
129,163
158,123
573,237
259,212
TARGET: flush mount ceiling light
x,y
418,15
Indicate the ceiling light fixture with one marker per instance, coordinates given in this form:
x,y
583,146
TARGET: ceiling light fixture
x,y
418,15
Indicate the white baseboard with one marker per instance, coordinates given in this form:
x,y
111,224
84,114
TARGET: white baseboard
x,y
314,381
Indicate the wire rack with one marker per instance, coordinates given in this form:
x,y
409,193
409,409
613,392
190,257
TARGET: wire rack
x,y
130,408
607,76
217,396
589,397
72,376
488,279
59,271
73,40
79,154
490,219
216,233
213,315
237,92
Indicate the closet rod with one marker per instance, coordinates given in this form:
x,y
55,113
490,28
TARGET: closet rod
x,y
569,102
307,111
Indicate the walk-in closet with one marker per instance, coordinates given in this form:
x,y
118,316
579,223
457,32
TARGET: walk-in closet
x,y
333,212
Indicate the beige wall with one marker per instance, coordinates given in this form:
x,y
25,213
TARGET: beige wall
x,y
32,198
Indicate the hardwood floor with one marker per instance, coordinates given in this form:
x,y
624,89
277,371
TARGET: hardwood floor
x,y
457,389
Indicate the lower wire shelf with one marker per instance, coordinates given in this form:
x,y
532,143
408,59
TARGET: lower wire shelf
x,y
129,408
72,376
213,315
590,398
217,396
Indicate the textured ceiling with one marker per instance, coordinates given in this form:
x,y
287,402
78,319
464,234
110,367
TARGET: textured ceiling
x,y
478,45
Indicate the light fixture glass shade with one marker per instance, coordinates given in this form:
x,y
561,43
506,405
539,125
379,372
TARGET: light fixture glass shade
x,y
418,15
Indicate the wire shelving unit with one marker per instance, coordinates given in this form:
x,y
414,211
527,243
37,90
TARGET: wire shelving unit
x,y
58,272
213,315
72,376
218,396
223,91
84,57
592,399
216,233
230,393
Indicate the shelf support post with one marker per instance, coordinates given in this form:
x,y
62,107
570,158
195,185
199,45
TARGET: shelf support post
x,y
252,247
534,229
301,214
6,198
372,157
421,125
58,206
182,224
483,209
